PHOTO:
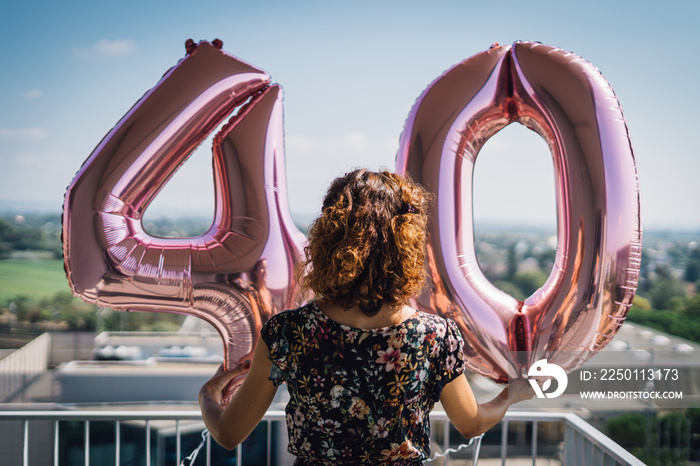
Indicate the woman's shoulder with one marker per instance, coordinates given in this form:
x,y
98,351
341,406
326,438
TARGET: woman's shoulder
x,y
433,323
432,319
285,322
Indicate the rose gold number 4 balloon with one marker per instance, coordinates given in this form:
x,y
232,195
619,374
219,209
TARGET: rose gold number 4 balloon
x,y
109,258
590,289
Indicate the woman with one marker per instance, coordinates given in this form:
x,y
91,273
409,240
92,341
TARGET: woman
x,y
362,368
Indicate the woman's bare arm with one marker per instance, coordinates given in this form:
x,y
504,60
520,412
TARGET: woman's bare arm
x,y
229,425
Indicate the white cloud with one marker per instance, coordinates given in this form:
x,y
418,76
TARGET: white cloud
x,y
32,94
32,133
108,48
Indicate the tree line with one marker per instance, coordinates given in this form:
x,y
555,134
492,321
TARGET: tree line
x,y
39,232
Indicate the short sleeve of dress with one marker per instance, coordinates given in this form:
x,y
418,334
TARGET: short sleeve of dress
x,y
452,358
273,334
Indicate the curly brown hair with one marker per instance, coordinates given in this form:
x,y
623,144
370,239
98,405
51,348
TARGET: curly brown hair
x,y
368,246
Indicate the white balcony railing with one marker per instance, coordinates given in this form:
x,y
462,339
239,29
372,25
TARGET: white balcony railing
x,y
26,443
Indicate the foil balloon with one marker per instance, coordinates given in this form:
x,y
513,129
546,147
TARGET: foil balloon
x,y
112,261
588,293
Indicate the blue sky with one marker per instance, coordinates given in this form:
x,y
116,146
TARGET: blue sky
x,y
350,71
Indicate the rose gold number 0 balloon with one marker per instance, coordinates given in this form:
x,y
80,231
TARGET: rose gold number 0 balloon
x,y
590,289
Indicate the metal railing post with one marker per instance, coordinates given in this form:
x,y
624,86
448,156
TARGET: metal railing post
x,y
208,450
25,443
55,442
534,442
504,442
117,442
148,443
269,443
178,445
446,442
87,443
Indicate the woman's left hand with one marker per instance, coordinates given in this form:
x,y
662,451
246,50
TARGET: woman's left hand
x,y
519,390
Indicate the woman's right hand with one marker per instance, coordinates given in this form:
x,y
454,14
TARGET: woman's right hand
x,y
230,422
218,388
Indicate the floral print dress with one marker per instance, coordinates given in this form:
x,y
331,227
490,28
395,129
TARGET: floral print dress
x,y
357,395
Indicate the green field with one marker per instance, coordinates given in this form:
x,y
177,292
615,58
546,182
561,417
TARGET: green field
x,y
33,278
